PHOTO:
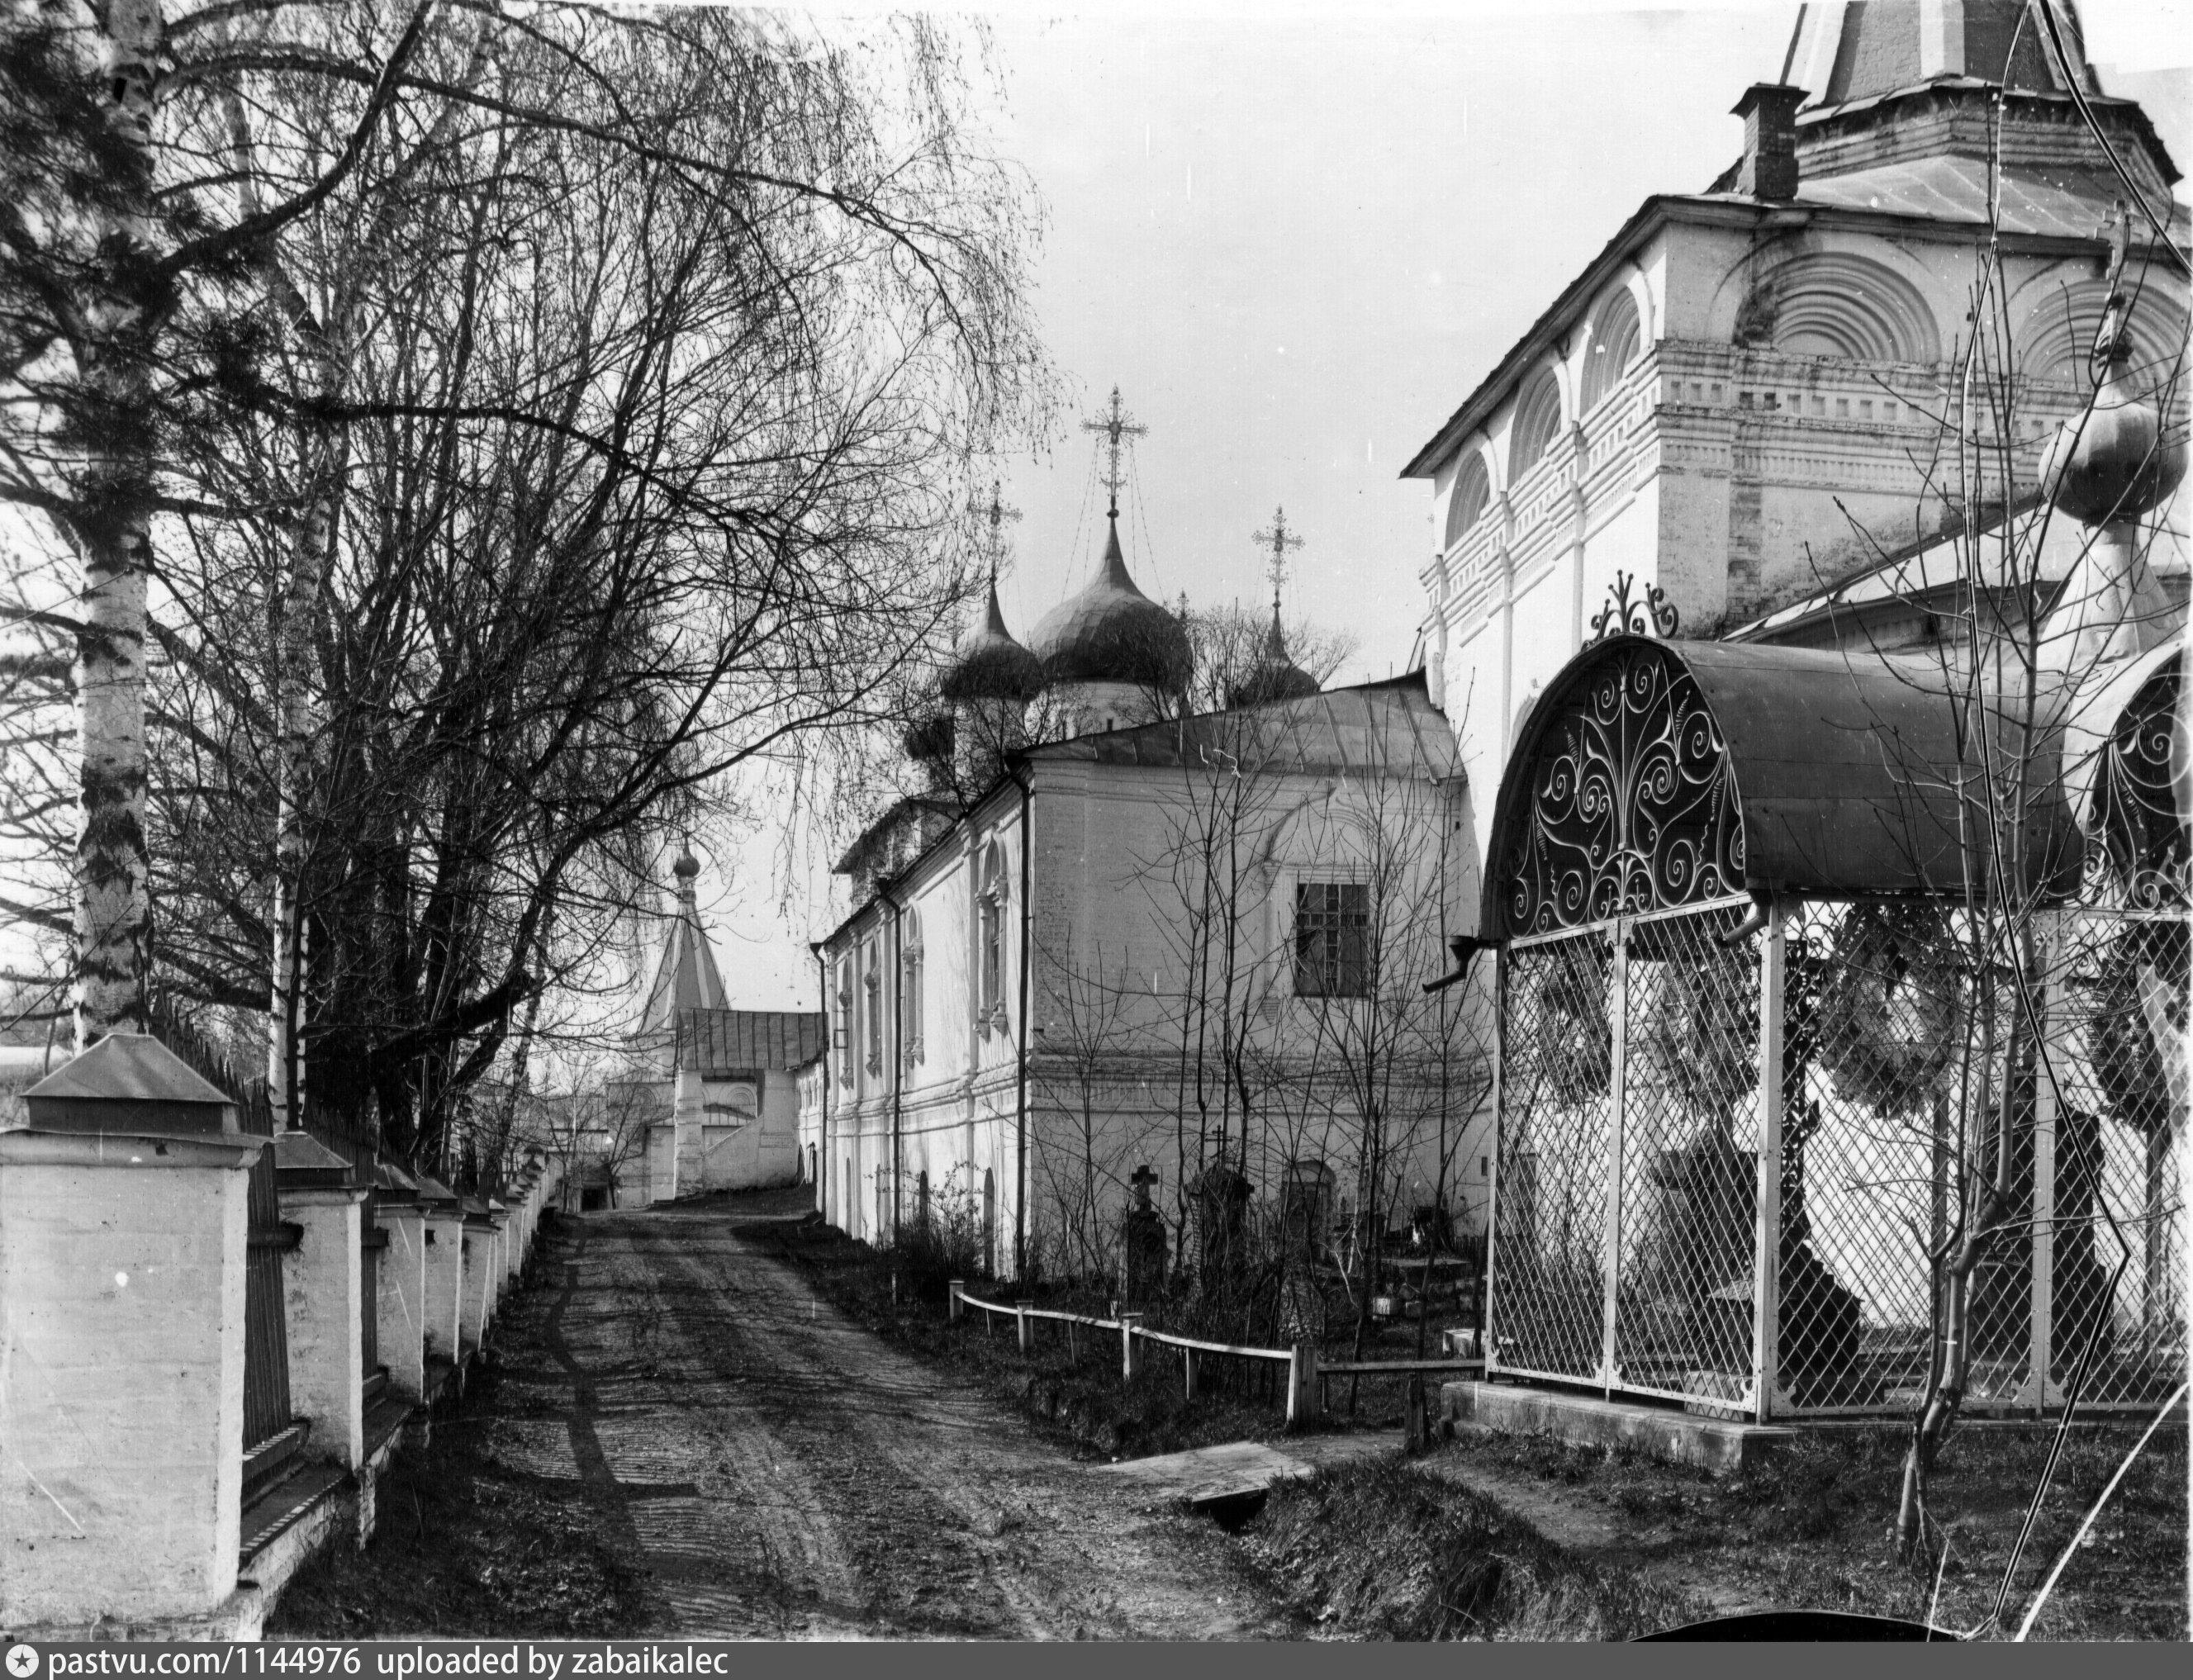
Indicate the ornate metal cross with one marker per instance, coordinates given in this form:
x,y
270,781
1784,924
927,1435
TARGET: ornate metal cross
x,y
997,516
1280,540
1116,424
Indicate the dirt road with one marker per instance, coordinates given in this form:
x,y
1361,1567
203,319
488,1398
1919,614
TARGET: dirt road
x,y
780,1472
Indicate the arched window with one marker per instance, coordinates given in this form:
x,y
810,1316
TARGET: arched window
x,y
990,938
845,1039
1473,489
910,982
872,986
1614,346
1538,422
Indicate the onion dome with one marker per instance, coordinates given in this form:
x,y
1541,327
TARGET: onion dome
x,y
2116,464
988,664
686,867
929,739
1276,677
1112,633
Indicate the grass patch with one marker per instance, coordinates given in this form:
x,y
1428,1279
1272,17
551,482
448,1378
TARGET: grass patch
x,y
1809,1527
469,1546
1078,1402
1381,1551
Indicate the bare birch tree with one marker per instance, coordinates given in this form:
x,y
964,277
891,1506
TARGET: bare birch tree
x,y
591,425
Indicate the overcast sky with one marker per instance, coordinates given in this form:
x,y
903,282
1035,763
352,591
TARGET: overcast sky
x,y
1295,240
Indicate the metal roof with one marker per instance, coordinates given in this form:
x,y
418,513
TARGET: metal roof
x,y
1374,727
2060,203
1844,767
719,1042
129,1067
1378,728
2032,545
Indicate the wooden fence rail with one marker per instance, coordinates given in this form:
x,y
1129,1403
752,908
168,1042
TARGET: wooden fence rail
x,y
1305,1391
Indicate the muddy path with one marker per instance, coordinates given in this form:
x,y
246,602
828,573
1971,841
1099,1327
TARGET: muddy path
x,y
777,1471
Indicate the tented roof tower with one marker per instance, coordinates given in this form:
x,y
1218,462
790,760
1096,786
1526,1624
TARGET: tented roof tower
x,y
1907,82
686,977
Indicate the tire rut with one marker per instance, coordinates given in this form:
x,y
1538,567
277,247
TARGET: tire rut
x,y
781,1473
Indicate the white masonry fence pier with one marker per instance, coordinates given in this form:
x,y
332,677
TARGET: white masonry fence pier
x,y
212,1342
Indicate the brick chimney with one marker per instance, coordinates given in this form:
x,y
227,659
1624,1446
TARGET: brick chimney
x,y
1769,169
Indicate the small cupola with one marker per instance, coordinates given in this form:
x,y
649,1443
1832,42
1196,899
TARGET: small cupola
x,y
988,664
1275,676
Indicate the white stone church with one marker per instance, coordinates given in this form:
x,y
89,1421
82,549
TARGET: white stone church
x,y
1194,945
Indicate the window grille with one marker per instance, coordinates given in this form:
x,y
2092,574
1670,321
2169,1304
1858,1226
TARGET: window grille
x,y
1332,937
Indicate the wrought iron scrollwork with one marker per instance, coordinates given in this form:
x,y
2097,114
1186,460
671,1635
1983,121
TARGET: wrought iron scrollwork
x,y
2145,859
1632,803
1651,614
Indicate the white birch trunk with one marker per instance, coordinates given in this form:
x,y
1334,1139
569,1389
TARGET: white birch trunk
x,y
112,903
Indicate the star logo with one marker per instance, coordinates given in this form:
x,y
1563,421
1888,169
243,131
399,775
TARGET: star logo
x,y
22,1662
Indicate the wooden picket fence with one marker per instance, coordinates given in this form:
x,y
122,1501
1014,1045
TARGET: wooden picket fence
x,y
1306,1376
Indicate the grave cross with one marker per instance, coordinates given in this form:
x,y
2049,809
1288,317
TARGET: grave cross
x,y
1144,1182
1115,424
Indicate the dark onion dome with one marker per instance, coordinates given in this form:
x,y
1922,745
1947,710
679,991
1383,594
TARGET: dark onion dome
x,y
2115,464
686,867
988,664
929,739
1276,676
1112,633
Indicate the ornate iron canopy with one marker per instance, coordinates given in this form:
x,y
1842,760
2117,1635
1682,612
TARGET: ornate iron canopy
x,y
2140,810
1655,774
1629,800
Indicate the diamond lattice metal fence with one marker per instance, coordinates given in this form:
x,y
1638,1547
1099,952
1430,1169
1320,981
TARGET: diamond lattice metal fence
x,y
1631,1214
1550,1201
1892,1050
1689,1202
2114,1086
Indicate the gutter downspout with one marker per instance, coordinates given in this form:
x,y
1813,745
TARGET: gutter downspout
x,y
1021,1045
829,1073
898,1064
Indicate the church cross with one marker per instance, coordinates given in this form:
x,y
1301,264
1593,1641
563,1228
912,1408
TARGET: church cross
x,y
1144,1182
996,515
1280,540
1115,424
